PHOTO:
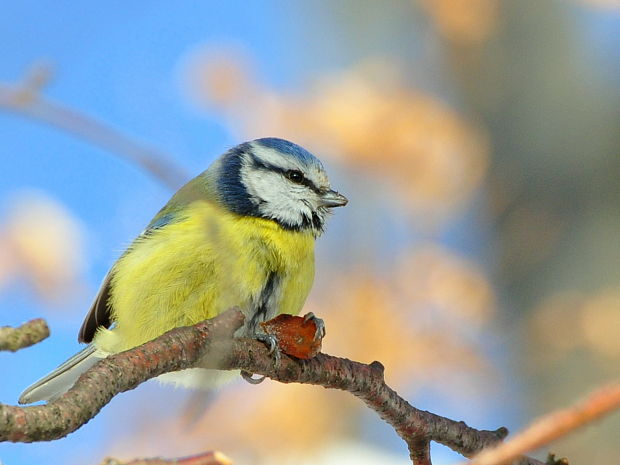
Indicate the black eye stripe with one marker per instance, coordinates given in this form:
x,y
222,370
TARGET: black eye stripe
x,y
261,165
298,178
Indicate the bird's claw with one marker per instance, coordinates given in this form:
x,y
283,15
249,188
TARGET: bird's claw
x,y
269,340
319,323
274,349
272,344
249,377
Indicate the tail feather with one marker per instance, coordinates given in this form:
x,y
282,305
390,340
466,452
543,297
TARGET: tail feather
x,y
62,378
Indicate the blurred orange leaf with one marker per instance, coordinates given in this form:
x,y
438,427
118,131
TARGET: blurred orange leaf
x,y
42,241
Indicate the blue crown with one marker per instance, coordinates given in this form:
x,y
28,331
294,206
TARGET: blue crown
x,y
289,148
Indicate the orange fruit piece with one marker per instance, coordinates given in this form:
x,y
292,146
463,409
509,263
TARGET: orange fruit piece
x,y
295,336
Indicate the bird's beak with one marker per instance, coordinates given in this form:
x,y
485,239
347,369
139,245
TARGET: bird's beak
x,y
332,199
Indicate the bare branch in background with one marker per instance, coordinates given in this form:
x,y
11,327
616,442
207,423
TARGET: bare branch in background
x,y
28,334
211,343
26,99
206,458
553,426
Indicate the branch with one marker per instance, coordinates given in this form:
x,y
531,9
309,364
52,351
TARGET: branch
x,y
206,458
553,426
25,99
420,452
176,350
210,344
28,334
415,427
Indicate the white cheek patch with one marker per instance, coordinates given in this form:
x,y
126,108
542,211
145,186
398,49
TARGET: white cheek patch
x,y
274,196
261,184
277,197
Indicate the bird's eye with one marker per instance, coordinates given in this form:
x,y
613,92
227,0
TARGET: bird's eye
x,y
295,176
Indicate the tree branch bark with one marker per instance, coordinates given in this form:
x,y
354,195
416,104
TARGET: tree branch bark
x,y
26,335
210,344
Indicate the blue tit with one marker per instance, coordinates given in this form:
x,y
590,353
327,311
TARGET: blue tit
x,y
240,234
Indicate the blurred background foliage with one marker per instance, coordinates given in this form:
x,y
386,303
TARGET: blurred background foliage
x,y
478,142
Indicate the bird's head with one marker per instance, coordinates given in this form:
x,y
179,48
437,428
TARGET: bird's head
x,y
275,179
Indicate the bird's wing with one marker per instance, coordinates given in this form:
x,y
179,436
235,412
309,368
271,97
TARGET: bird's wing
x,y
200,188
99,313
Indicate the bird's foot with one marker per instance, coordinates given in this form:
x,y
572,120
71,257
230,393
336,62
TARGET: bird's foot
x,y
249,377
271,342
319,323
274,349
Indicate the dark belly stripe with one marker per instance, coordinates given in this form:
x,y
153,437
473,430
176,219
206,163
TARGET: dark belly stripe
x,y
264,307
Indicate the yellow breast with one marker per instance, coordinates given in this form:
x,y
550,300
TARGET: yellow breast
x,y
198,267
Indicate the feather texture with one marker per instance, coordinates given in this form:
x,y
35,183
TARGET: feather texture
x,y
196,268
62,378
239,234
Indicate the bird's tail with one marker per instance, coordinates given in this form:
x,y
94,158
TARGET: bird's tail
x,y
62,378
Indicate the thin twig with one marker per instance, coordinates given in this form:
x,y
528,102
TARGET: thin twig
x,y
206,458
553,426
28,334
26,99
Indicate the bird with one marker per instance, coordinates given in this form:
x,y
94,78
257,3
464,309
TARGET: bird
x,y
240,234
